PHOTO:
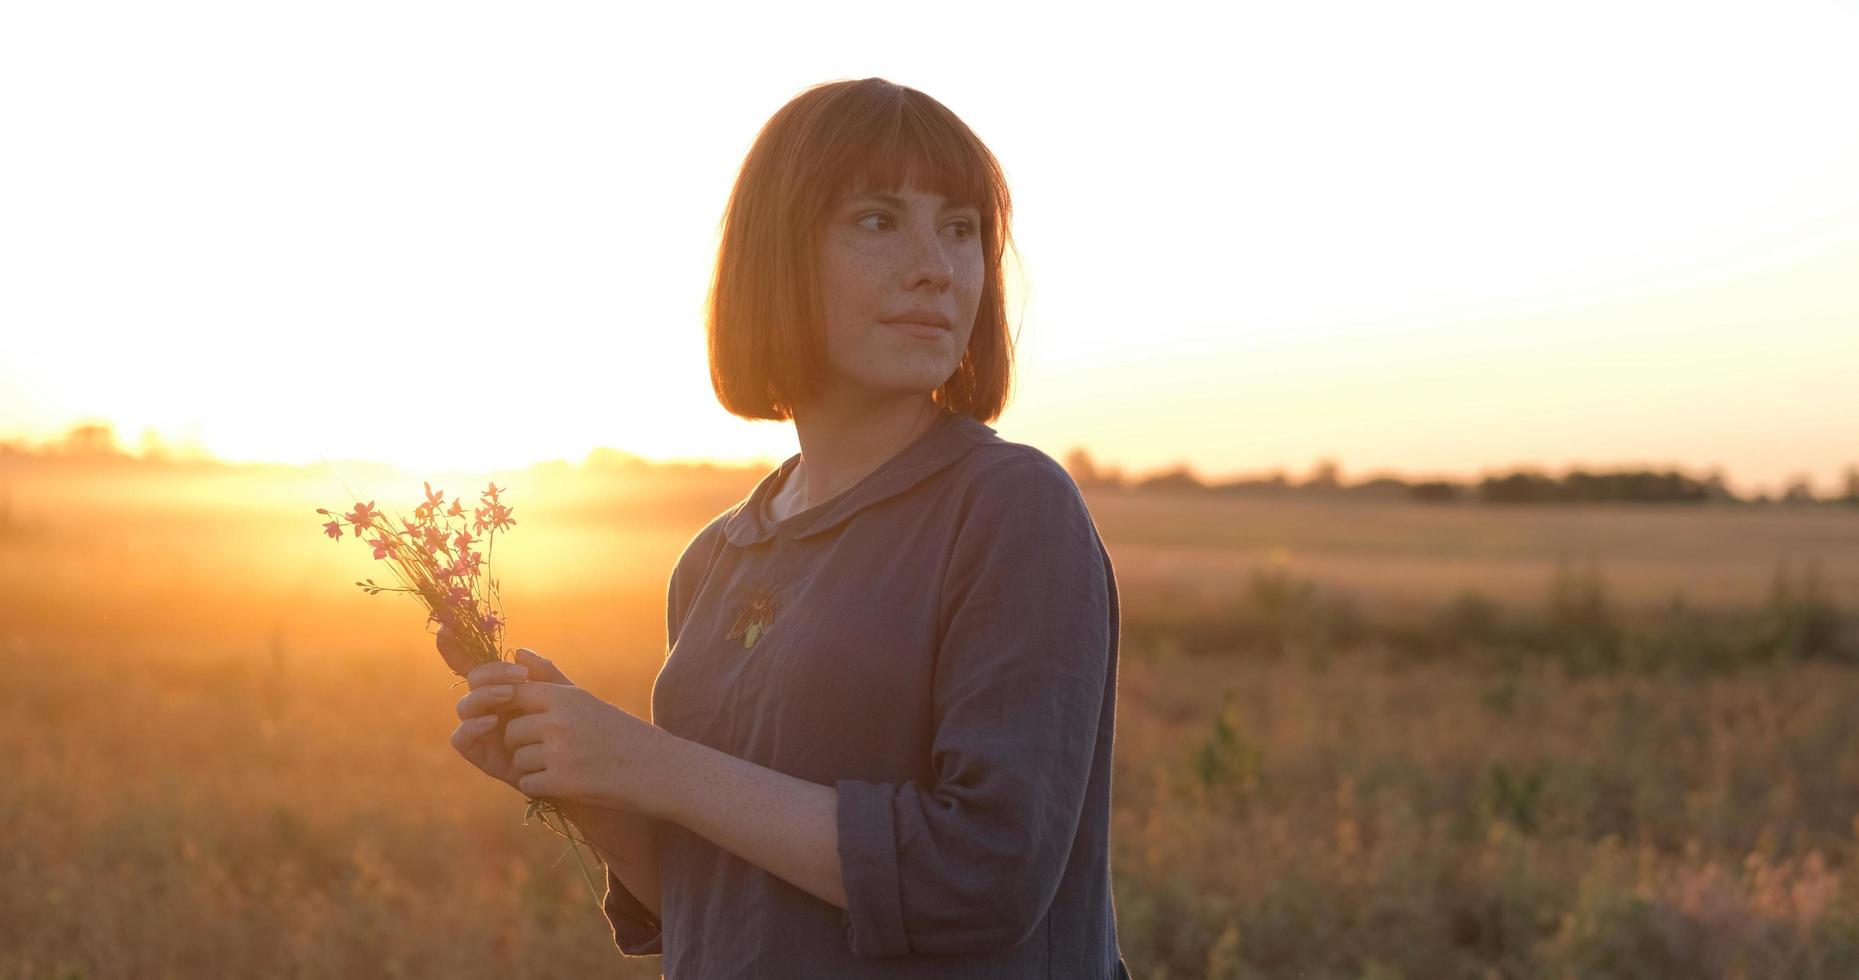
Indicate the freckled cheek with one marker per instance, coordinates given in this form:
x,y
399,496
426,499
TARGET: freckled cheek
x,y
858,288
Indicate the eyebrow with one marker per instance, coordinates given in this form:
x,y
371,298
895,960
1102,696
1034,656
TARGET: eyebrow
x,y
898,202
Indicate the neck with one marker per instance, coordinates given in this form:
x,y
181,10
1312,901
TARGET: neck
x,y
843,439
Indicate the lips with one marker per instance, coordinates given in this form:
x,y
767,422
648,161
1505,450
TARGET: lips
x,y
924,330
928,318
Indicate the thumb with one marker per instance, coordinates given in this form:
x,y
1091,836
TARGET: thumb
x,y
540,667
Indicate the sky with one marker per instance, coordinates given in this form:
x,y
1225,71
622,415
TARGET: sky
x,y
1431,238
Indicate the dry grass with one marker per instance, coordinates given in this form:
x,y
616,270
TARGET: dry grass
x,y
253,814
1352,821
228,761
1399,555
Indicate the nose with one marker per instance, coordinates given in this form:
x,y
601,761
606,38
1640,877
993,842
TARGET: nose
x,y
929,260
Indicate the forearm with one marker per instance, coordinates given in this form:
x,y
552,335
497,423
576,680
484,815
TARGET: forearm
x,y
628,843
782,824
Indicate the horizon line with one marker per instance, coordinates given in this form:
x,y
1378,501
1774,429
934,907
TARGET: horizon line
x,y
97,441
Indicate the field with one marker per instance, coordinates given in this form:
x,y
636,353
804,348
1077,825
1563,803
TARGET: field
x,y
1355,740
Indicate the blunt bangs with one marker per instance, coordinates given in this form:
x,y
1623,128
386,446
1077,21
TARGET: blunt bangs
x,y
909,147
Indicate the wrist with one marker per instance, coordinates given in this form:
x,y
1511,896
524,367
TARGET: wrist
x,y
670,763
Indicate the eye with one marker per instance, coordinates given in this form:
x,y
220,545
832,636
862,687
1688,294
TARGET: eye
x,y
967,227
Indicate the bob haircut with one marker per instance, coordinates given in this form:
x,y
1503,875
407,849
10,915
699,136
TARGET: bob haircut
x,y
764,316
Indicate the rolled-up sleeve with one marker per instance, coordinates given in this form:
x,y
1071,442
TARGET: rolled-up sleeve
x,y
972,863
636,931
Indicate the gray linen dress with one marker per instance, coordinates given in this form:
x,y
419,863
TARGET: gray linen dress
x,y
938,643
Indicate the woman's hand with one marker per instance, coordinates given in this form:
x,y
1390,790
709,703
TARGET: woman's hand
x,y
484,711
569,744
478,736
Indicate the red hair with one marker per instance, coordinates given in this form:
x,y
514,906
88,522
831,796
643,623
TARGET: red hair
x,y
764,316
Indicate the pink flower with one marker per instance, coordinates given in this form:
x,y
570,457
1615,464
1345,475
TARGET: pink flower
x,y
457,509
494,517
361,517
458,595
333,529
490,622
433,498
383,546
467,564
463,541
491,494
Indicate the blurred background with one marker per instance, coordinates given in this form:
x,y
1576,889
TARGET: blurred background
x,y
1464,393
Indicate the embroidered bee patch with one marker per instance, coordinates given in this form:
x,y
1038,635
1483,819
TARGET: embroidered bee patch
x,y
755,617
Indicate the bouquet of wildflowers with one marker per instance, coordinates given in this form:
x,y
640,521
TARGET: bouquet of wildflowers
x,y
433,558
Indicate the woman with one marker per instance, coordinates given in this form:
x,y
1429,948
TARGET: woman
x,y
881,741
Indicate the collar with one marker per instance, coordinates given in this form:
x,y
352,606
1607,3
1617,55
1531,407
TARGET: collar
x,y
946,441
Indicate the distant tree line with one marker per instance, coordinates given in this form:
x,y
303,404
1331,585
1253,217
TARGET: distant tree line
x,y
95,444
1520,486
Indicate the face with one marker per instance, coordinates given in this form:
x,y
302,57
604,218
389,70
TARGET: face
x,y
899,255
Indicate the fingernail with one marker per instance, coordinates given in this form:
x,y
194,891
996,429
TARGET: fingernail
x,y
519,673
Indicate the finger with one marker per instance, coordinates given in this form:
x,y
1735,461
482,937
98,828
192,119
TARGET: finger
x,y
485,700
536,784
536,695
528,758
497,672
468,732
446,639
453,652
522,730
540,667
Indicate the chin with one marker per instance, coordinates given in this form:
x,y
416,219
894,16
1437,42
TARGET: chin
x,y
915,377
905,387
